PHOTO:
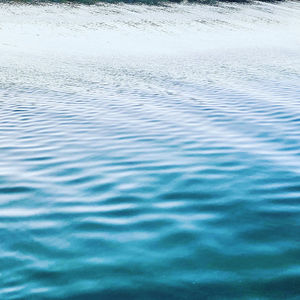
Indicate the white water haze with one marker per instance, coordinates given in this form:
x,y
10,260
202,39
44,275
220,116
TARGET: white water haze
x,y
144,30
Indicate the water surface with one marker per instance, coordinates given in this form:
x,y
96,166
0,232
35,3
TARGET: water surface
x,y
150,152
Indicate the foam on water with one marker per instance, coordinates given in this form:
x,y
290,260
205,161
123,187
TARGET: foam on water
x,y
150,152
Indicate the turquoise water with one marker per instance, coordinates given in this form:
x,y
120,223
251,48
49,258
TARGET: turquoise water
x,y
150,153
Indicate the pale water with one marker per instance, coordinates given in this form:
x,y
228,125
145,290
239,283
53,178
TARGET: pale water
x,y
150,152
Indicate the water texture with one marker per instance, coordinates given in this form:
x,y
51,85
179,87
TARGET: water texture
x,y
150,152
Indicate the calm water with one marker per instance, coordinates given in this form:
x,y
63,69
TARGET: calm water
x,y
150,152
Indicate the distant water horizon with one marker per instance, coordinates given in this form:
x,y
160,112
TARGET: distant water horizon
x,y
150,152
147,2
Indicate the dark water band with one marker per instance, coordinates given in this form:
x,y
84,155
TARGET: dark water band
x,y
149,2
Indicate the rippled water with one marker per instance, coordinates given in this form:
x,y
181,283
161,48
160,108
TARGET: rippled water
x,y
150,152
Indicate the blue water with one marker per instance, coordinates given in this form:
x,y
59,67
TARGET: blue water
x,y
130,171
